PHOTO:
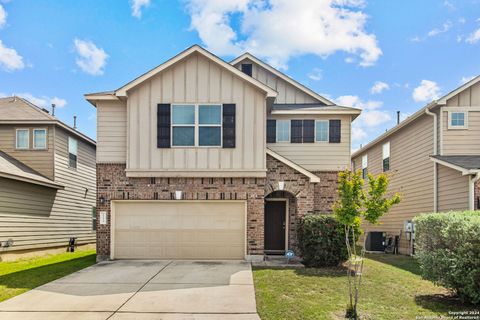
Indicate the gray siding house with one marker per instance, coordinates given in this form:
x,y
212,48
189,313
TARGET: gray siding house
x,y
204,159
47,180
432,158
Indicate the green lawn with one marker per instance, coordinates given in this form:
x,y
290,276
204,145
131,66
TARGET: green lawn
x,y
23,275
392,289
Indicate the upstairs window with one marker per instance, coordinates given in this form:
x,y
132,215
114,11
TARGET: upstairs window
x,y
22,139
283,130
364,166
247,68
458,120
321,130
209,125
386,156
183,125
72,152
39,138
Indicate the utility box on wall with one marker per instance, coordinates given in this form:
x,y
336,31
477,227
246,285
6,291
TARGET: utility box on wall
x,y
375,241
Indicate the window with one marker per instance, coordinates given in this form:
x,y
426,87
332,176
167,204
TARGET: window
x,y
196,125
94,218
247,68
72,153
39,138
321,130
458,120
364,166
283,130
22,139
386,156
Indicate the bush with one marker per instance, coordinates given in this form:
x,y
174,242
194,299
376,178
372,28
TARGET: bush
x,y
447,246
322,241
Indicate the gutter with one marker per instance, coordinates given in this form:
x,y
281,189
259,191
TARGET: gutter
x,y
435,167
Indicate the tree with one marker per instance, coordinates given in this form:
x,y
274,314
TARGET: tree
x,y
358,202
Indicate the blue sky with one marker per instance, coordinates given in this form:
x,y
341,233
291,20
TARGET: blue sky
x,y
381,56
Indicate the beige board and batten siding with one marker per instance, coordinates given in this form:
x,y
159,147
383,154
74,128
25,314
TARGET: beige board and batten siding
x,y
462,141
39,217
111,132
195,80
317,156
39,160
452,189
286,92
411,174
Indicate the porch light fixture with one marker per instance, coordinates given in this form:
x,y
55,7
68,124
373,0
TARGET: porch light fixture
x,y
102,200
281,185
178,195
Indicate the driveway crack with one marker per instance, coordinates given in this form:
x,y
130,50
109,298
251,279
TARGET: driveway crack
x,y
143,286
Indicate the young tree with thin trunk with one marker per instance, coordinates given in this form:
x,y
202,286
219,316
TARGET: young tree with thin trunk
x,y
358,202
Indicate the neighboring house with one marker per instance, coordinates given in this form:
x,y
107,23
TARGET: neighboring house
x,y
47,180
202,159
432,158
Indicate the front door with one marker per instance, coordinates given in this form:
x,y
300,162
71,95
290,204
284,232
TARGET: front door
x,y
275,226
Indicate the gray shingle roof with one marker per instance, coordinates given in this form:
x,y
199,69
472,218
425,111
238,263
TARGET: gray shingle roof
x,y
465,162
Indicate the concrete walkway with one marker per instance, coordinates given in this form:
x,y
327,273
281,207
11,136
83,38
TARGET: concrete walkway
x,y
143,290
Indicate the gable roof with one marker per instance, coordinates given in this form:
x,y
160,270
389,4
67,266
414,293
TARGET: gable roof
x,y
12,168
439,102
313,108
282,76
17,110
122,91
466,164
313,178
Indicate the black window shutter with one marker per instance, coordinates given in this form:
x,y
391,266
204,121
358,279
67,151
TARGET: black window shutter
x,y
296,131
163,125
334,131
228,123
271,130
308,131
247,68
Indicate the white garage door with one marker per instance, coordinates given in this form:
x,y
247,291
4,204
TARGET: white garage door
x,y
178,230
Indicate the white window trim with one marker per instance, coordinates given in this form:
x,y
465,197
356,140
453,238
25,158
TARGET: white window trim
x,y
365,163
289,131
449,120
196,125
328,131
16,138
46,139
383,150
68,152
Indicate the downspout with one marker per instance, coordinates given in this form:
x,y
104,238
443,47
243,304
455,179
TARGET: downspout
x,y
435,165
471,190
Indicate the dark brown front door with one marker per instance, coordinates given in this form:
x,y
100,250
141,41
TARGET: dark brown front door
x,y
275,225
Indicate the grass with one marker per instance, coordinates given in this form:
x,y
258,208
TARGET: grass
x,y
392,288
22,275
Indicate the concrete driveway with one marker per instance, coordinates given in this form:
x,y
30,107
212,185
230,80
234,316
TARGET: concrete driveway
x,y
143,290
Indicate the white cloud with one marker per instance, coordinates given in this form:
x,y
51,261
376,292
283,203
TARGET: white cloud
x,y
268,30
42,101
91,59
426,91
356,102
445,27
466,79
3,16
379,87
10,60
474,37
316,74
449,5
137,7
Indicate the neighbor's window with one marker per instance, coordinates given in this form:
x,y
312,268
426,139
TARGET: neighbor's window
x,y
209,125
94,218
283,130
72,152
386,156
458,120
364,166
39,138
196,125
321,130
22,138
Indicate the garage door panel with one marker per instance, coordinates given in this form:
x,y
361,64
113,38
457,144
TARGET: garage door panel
x,y
179,230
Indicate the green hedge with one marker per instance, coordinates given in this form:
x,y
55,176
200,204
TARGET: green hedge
x,y
447,245
322,241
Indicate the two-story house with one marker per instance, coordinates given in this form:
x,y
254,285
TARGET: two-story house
x,y
203,159
432,158
47,181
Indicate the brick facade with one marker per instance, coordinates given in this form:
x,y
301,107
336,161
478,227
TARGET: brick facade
x,y
304,197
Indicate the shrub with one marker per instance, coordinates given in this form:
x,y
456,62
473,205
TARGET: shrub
x,y
448,250
322,241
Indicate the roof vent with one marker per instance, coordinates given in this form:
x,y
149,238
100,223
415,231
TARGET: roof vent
x,y
45,110
398,117
75,122
53,109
